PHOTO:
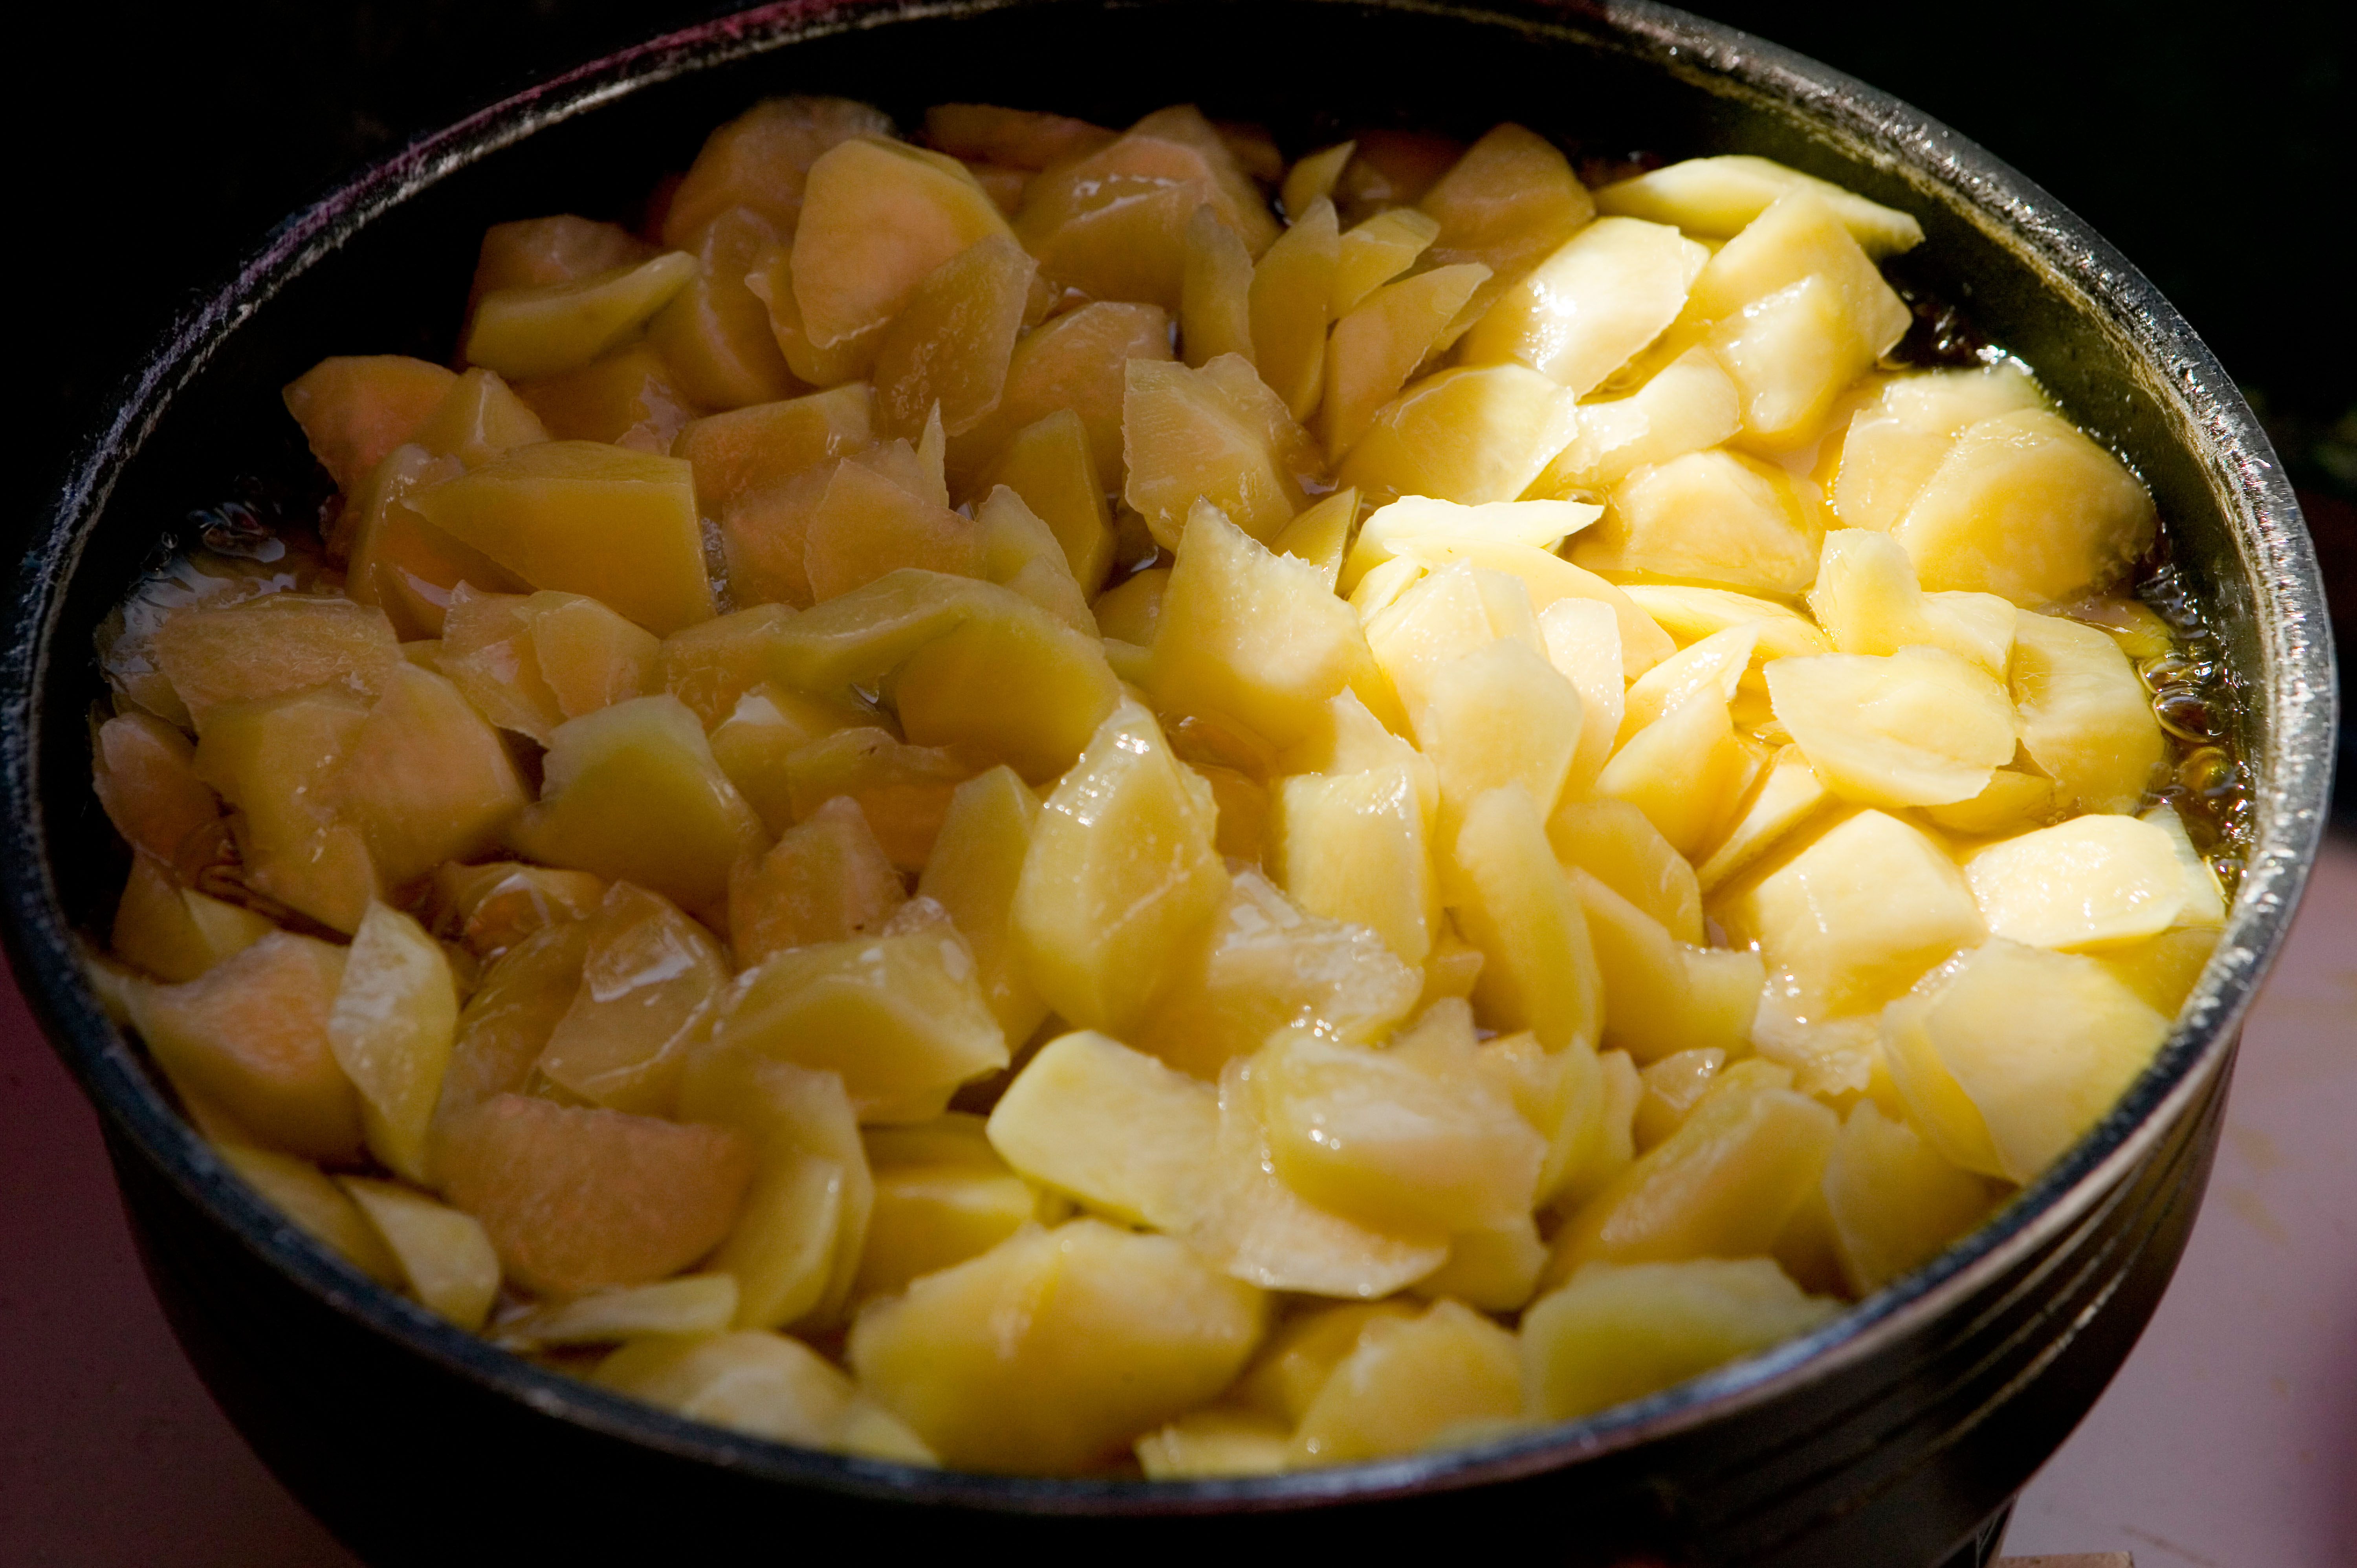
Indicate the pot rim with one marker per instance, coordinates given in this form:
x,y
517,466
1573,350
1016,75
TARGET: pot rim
x,y
2297,695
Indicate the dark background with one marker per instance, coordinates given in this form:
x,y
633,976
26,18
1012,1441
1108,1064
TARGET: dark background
x,y
2212,143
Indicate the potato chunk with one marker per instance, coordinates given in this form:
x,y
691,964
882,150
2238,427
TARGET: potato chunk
x,y
764,1385
144,773
1894,1199
1710,517
2092,882
355,409
1265,966
546,330
1010,683
273,759
1055,1349
1075,363
899,1016
507,1022
762,160
1614,841
1249,634
1471,433
2011,1053
1402,1141
2027,507
1113,224
445,1255
251,1034
747,449
1895,444
1615,1333
798,1241
1048,463
877,217
1867,599
1919,727
1291,290
1185,438
2087,720
395,1020
273,647
714,336
1685,406
1723,1186
1663,995
1716,197
943,1195
825,879
1407,1382
1586,310
176,933
1121,874
1117,1130
1796,237
1514,903
1355,847
585,518
632,793
1855,917
425,779
949,349
1508,201
318,1206
650,982
575,1199
1685,772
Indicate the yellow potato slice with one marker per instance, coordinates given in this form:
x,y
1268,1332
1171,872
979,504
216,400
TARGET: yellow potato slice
x,y
2009,1054
1919,727
395,1020
1056,1348
1615,1333
2092,882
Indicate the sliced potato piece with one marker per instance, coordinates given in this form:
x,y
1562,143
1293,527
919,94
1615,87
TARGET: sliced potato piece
x,y
395,1020
444,1256
1249,634
1055,1347
553,327
1471,433
2087,720
1586,310
878,216
1919,727
2009,1054
1716,197
1617,1333
1121,872
2092,882
1895,1200
2027,507
1265,966
1688,404
1539,968
318,1207
1407,1382
1714,517
1857,916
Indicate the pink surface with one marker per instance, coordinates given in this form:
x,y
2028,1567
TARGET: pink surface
x,y
2229,1440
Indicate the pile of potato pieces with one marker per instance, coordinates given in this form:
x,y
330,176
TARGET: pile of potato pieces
x,y
993,810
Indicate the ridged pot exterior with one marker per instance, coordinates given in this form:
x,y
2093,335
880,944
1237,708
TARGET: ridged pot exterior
x,y
1888,1436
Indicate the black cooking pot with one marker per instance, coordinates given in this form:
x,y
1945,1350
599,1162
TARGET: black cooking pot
x,y
1894,1435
